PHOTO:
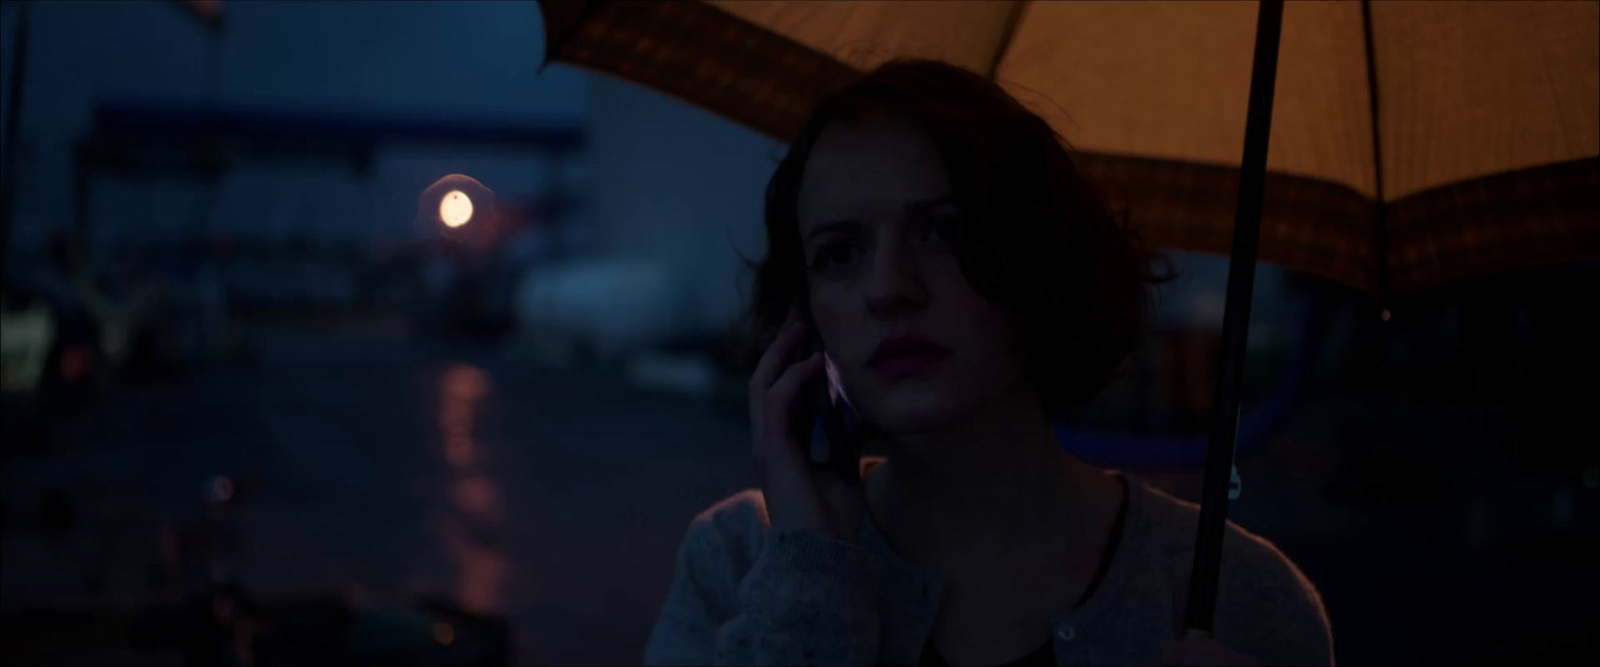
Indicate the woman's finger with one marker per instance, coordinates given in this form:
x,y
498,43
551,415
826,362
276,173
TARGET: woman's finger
x,y
776,357
782,394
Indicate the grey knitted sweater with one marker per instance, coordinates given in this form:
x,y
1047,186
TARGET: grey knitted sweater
x,y
747,594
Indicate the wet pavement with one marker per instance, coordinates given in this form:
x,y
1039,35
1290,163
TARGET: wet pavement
x,y
387,470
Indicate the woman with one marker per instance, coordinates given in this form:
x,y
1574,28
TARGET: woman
x,y
967,286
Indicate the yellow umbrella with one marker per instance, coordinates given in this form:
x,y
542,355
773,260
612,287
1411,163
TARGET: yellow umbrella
x,y
1391,146
1485,113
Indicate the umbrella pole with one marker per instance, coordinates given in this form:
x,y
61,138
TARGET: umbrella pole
x,y
1202,598
1380,212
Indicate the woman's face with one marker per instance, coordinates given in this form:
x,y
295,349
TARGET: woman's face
x,y
874,202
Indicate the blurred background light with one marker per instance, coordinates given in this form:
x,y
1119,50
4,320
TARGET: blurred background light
x,y
455,209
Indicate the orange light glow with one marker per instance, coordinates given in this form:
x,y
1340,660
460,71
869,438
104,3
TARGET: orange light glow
x,y
478,498
460,450
467,382
481,570
443,633
456,417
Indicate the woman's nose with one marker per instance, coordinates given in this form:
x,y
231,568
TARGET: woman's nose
x,y
895,283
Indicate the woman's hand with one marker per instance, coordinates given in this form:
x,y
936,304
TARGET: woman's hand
x,y
800,494
1190,650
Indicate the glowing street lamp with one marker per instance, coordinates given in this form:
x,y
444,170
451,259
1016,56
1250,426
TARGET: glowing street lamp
x,y
458,208
455,209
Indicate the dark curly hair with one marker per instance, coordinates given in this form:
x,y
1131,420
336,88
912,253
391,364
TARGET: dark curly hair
x,y
1036,238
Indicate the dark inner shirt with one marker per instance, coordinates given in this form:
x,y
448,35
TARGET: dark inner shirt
x,y
1044,656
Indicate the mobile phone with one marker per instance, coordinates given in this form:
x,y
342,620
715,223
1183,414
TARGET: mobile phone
x,y
828,423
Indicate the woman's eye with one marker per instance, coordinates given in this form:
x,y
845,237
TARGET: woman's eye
x,y
833,254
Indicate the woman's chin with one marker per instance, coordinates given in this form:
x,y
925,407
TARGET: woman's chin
x,y
916,410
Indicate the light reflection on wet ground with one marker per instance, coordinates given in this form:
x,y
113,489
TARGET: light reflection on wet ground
x,y
481,568
386,470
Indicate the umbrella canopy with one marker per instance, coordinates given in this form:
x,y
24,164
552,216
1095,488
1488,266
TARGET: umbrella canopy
x,y
1476,125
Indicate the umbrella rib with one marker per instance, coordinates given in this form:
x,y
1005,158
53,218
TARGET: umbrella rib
x,y
1010,31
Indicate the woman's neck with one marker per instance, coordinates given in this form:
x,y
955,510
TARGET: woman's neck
x,y
995,482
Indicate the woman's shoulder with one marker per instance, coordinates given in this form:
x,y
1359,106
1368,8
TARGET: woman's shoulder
x,y
1260,589
1167,526
1169,523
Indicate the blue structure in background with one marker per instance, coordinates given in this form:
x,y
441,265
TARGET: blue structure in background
x,y
1116,450
203,141
188,123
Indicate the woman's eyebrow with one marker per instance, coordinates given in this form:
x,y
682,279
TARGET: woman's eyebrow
x,y
913,210
832,226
